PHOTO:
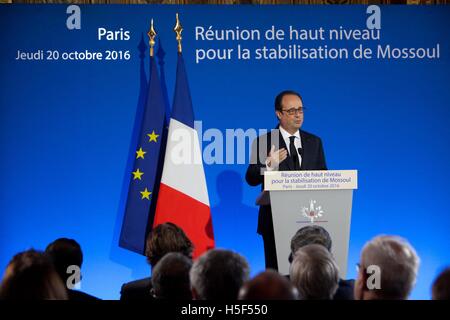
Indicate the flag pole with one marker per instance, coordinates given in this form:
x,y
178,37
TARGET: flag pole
x,y
151,35
178,29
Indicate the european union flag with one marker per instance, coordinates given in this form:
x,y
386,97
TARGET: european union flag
x,y
146,174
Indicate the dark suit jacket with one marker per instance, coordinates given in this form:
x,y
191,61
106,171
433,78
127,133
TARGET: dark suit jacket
x,y
137,290
313,158
345,290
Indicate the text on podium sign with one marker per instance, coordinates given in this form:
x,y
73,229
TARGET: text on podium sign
x,y
310,180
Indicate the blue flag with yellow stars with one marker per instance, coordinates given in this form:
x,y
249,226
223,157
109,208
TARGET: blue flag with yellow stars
x,y
146,173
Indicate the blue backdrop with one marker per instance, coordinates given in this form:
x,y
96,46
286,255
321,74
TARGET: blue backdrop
x,y
66,127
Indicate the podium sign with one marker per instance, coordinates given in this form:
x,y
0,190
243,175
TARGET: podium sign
x,y
301,198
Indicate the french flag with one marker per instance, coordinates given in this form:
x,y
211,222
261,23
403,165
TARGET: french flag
x,y
183,195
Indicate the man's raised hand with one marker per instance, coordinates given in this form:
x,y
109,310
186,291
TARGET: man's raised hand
x,y
276,157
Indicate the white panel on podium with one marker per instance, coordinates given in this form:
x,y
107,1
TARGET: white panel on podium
x,y
301,198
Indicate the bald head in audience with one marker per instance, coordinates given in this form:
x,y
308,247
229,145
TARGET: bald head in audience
x,y
268,285
441,286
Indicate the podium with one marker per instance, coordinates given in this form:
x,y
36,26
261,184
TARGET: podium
x,y
301,198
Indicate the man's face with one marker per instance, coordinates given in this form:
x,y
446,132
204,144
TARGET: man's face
x,y
291,116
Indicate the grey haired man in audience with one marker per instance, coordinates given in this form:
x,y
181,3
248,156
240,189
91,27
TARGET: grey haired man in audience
x,y
170,277
314,273
387,269
218,275
314,234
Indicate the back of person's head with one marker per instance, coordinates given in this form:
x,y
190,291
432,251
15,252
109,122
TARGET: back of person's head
x,y
441,286
310,235
394,262
165,238
30,275
218,275
314,273
170,277
268,285
64,253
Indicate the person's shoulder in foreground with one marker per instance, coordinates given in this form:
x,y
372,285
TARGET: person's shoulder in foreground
x,y
137,290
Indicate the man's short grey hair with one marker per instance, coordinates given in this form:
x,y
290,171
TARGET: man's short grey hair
x,y
310,235
170,277
314,273
398,263
218,275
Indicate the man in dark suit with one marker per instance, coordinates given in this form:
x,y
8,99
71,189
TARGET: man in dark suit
x,y
286,148
164,238
315,234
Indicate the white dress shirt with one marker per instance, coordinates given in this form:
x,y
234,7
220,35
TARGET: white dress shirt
x,y
297,142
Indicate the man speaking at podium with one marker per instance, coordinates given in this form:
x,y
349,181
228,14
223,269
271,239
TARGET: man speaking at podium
x,y
286,148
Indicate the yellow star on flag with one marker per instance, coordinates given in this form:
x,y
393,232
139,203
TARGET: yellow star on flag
x,y
137,174
140,153
146,194
153,136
